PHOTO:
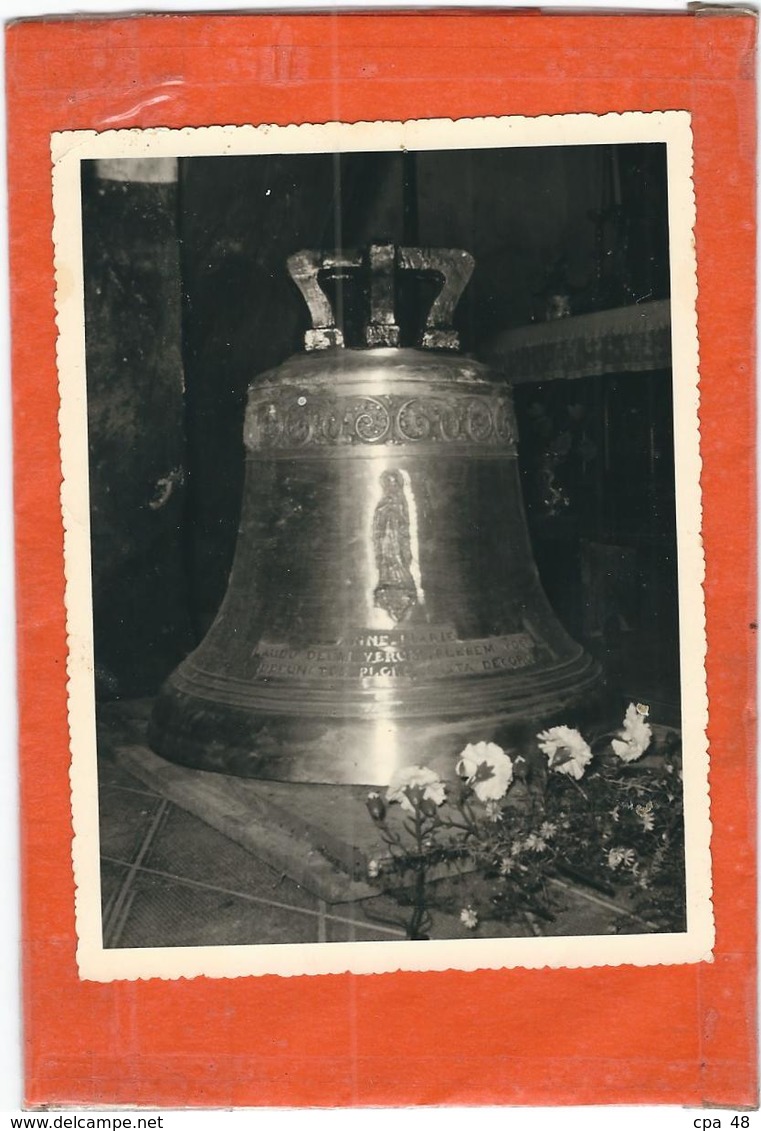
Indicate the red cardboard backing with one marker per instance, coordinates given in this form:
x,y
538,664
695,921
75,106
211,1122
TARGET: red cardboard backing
x,y
665,1034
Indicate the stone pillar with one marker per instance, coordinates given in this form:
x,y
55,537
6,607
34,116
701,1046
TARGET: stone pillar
x,y
136,422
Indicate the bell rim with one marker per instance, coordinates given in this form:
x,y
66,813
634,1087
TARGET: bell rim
x,y
350,752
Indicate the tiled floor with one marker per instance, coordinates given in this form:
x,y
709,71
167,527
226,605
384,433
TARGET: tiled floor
x,y
170,879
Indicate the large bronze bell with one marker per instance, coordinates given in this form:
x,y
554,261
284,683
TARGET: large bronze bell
x,y
383,607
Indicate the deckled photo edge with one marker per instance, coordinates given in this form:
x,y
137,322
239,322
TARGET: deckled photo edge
x,y
96,963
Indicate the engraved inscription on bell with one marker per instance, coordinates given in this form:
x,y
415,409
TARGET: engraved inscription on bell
x,y
410,654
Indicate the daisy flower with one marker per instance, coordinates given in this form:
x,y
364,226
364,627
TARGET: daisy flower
x,y
469,917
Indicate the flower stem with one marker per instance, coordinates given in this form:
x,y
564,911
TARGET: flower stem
x,y
414,930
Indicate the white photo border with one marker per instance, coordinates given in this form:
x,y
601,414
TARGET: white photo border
x,y
96,963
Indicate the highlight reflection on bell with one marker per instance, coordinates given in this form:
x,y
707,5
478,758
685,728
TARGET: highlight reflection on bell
x,y
383,606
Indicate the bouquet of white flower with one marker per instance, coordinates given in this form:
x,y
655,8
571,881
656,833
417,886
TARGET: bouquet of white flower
x,y
508,826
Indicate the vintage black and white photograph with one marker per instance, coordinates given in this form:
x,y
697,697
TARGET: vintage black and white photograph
x,y
381,492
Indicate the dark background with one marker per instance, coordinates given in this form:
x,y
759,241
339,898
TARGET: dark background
x,y
187,298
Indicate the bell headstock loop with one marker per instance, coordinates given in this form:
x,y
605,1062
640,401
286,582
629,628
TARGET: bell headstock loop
x,y
310,269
